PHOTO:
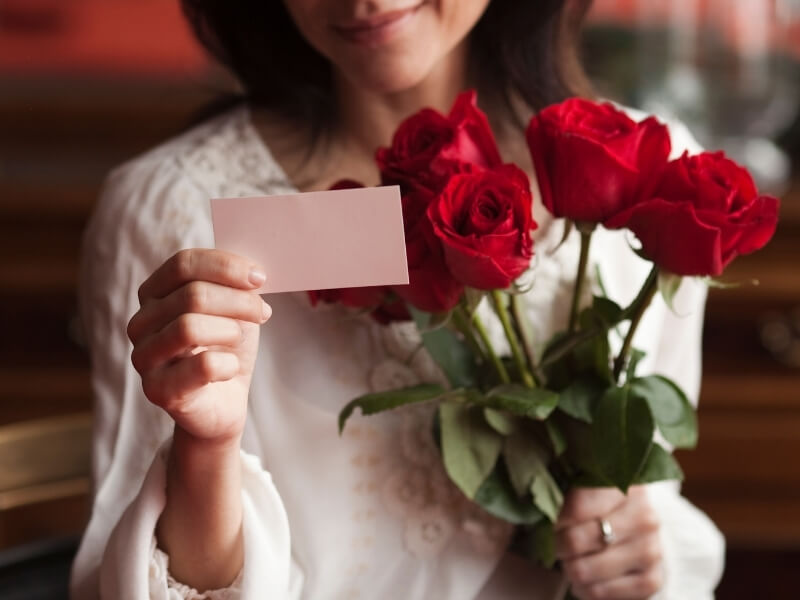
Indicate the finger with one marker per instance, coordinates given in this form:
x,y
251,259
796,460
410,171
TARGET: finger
x,y
637,555
634,586
199,297
584,504
204,264
183,334
633,517
169,384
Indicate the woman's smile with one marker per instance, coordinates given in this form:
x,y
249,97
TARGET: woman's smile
x,y
379,28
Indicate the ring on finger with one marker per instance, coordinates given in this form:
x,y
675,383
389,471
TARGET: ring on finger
x,y
607,532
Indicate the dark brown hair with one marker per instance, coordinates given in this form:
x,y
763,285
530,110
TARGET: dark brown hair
x,y
519,48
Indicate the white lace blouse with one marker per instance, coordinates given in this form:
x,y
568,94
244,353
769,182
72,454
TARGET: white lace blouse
x,y
371,514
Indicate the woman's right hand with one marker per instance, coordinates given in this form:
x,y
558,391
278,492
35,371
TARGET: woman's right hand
x,y
195,339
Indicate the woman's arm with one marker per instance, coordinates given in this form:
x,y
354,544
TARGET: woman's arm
x,y
149,210
195,339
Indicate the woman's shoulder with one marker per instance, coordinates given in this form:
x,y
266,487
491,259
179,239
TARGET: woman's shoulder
x,y
221,156
168,187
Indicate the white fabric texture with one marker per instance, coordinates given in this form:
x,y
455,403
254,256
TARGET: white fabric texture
x,y
360,516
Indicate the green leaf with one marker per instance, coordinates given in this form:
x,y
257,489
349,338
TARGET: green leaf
x,y
608,310
622,433
497,497
578,398
537,543
470,447
671,409
447,350
556,437
659,465
668,285
594,355
547,495
380,401
635,358
499,421
533,403
525,459
544,540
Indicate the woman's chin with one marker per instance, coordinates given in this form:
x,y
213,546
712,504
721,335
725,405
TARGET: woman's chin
x,y
389,76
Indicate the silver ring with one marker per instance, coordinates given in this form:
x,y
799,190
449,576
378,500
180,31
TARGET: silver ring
x,y
609,537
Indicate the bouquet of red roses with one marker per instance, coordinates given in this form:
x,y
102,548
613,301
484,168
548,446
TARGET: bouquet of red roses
x,y
517,431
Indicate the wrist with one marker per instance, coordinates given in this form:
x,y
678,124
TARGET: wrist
x,y
203,462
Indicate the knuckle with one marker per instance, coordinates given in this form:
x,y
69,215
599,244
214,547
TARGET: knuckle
x,y
185,328
652,550
650,521
579,571
228,265
140,292
136,359
183,264
130,330
597,591
206,366
651,582
572,541
195,297
152,391
583,506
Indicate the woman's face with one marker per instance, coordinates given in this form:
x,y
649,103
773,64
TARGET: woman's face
x,y
385,46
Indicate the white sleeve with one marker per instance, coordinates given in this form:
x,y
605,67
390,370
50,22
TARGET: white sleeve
x,y
149,209
692,545
694,548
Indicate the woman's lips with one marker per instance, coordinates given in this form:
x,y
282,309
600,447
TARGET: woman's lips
x,y
377,29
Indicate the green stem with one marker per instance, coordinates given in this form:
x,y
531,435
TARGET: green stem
x,y
583,261
487,345
502,312
461,321
523,330
635,312
570,343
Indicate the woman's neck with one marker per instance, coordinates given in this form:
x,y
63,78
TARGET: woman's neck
x,y
367,119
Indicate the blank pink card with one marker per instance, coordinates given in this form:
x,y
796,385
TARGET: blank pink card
x,y
317,240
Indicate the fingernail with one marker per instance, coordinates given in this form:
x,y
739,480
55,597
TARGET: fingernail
x,y
257,277
266,311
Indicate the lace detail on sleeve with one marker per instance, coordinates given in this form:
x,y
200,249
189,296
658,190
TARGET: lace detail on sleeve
x,y
161,580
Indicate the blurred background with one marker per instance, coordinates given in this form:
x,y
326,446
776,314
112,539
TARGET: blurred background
x,y
88,84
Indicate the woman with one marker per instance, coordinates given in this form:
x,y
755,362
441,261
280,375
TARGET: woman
x,y
217,463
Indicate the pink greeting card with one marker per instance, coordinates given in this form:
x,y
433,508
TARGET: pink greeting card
x,y
317,240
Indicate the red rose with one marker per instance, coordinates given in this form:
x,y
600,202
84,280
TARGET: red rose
x,y
428,145
704,212
592,161
484,223
431,287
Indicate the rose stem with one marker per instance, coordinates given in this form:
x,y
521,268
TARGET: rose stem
x,y
516,352
523,329
635,311
586,240
461,321
487,344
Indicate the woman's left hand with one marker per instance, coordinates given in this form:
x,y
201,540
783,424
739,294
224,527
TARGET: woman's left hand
x,y
625,567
